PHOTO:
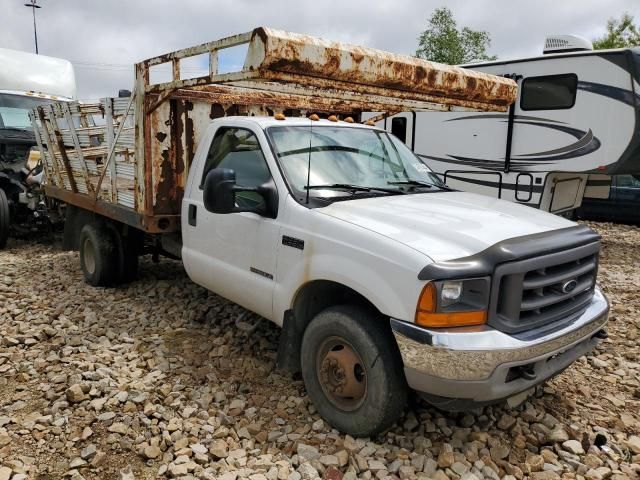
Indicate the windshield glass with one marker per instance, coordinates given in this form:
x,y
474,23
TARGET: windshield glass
x,y
14,110
343,156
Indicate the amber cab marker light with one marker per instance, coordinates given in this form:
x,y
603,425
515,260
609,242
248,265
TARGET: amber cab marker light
x,y
426,316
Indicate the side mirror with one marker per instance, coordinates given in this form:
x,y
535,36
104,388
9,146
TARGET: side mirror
x,y
219,194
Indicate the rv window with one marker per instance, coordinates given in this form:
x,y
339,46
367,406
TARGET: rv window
x,y
399,128
551,92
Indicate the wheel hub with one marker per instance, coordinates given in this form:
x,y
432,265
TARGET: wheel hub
x,y
342,374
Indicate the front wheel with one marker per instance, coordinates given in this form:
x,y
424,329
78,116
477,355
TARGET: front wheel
x,y
353,371
4,219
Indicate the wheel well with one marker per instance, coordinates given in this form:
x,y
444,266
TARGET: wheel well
x,y
310,300
318,295
76,218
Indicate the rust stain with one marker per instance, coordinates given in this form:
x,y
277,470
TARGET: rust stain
x,y
148,127
217,111
163,187
190,140
231,110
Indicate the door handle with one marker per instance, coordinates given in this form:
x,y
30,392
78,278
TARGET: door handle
x,y
193,212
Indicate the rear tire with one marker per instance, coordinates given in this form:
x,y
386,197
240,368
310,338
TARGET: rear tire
x,y
99,255
129,271
127,255
352,370
4,219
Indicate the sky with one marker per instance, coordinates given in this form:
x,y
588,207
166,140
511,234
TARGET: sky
x,y
104,38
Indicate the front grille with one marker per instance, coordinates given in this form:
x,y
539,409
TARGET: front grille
x,y
531,293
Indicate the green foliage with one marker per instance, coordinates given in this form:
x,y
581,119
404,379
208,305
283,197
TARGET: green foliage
x,y
620,34
443,42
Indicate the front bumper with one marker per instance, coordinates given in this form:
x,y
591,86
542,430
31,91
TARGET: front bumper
x,y
483,365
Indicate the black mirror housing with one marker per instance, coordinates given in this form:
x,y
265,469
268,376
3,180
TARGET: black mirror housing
x,y
219,194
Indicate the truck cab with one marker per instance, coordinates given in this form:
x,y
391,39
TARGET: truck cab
x,y
344,237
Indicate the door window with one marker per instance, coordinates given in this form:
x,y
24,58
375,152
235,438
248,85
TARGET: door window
x,y
239,150
551,92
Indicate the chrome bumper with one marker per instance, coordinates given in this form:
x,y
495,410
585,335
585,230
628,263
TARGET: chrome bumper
x,y
481,364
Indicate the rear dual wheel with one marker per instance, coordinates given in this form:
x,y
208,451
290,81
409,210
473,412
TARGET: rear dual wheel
x,y
105,257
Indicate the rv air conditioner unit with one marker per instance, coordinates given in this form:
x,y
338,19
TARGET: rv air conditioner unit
x,y
566,43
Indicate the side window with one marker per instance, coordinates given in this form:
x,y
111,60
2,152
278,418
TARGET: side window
x,y
550,92
399,128
627,181
239,150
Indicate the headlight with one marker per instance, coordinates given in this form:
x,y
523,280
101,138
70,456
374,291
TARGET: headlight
x,y
453,303
450,292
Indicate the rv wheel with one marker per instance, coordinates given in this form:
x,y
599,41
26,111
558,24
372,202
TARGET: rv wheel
x,y
4,218
99,256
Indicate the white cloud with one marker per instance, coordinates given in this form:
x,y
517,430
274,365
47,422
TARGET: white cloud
x,y
121,32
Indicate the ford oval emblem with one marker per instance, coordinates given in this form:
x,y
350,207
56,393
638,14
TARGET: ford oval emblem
x,y
569,286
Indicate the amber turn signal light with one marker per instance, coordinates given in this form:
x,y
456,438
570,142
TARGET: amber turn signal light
x,y
426,315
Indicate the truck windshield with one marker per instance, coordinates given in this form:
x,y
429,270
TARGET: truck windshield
x,y
14,110
347,161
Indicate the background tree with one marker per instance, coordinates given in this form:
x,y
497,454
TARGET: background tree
x,y
620,33
443,42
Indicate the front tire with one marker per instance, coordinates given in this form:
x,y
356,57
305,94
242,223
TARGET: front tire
x,y
4,219
353,371
99,256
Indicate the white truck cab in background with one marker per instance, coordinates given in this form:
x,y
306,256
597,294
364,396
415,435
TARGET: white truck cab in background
x,y
26,82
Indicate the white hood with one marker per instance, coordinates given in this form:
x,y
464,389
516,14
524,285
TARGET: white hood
x,y
445,225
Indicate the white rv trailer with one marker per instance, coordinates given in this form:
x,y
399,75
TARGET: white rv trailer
x,y
575,123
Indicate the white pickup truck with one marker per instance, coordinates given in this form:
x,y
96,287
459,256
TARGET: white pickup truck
x,y
382,278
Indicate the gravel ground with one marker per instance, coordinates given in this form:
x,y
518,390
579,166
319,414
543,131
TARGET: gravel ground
x,y
163,379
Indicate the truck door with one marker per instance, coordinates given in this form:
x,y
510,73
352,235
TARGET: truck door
x,y
233,254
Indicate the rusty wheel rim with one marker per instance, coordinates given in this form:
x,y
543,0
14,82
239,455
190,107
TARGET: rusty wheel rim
x,y
341,373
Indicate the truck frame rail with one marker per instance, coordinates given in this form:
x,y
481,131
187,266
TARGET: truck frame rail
x,y
128,158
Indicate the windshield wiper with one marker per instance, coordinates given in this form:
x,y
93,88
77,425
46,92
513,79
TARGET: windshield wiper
x,y
416,183
354,188
419,183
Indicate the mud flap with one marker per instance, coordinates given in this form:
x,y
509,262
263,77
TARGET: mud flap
x,y
288,358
